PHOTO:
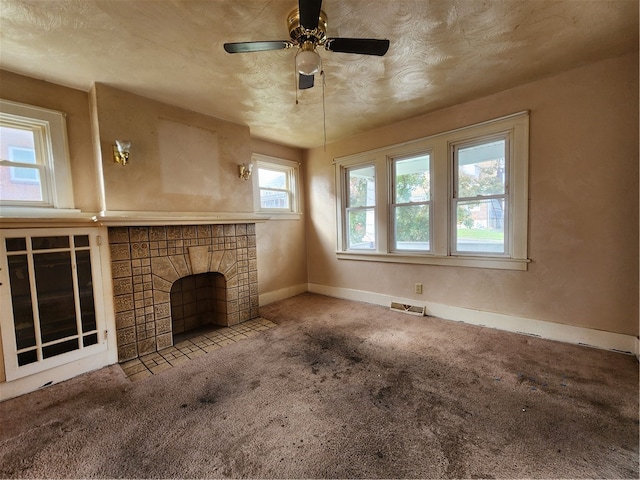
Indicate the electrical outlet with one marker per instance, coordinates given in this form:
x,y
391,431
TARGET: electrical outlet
x,y
418,288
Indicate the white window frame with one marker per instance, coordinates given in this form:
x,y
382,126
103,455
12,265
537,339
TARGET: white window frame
x,y
455,197
393,205
52,159
291,170
515,127
371,207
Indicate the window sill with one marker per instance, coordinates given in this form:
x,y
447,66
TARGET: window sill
x,y
281,215
21,217
473,262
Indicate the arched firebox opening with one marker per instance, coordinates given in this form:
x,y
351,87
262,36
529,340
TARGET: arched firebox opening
x,y
198,301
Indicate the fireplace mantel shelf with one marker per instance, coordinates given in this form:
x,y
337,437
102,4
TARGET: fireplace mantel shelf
x,y
129,218
121,218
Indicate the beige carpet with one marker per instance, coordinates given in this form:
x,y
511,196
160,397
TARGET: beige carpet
x,y
341,389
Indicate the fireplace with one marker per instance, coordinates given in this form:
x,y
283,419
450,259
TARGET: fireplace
x,y
150,264
198,301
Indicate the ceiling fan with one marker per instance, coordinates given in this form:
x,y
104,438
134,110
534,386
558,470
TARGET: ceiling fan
x,y
308,30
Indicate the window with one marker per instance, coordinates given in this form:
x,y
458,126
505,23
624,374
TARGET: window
x,y
361,207
275,183
456,198
34,162
479,203
411,203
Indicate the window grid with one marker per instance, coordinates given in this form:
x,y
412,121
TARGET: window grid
x,y
83,337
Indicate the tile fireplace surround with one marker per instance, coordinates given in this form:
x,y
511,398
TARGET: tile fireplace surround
x,y
147,260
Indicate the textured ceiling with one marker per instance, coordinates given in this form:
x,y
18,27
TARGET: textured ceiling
x,y
442,52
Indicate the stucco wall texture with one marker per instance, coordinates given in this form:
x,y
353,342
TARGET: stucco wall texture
x,y
583,205
583,191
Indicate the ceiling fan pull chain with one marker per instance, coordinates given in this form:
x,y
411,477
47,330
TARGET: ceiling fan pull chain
x,y
324,111
295,78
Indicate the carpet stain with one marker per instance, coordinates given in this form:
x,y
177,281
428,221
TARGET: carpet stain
x,y
341,390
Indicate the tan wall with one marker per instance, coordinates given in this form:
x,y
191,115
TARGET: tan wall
x,y
74,103
181,161
583,219
281,245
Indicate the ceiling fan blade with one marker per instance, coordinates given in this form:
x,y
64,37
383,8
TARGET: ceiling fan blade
x,y
305,81
363,46
309,13
241,47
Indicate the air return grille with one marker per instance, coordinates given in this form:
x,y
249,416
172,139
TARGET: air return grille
x,y
405,308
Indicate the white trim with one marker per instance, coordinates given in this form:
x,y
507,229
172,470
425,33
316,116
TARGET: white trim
x,y
12,213
117,218
292,170
16,217
33,382
497,263
548,330
57,184
513,127
287,292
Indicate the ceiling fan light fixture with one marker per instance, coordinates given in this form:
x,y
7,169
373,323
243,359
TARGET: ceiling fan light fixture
x,y
308,62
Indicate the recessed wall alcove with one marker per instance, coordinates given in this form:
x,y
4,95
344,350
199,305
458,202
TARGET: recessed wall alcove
x,y
146,263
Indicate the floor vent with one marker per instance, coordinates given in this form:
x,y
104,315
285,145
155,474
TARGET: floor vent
x,y
411,309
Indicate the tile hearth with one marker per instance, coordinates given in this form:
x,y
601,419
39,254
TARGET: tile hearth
x,y
190,346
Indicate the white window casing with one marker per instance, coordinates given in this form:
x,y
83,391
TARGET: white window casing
x,y
52,159
285,203
514,129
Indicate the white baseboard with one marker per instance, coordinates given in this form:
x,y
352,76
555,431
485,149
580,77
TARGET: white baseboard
x,y
270,297
510,323
52,376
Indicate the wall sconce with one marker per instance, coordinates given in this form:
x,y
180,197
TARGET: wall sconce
x,y
245,170
121,151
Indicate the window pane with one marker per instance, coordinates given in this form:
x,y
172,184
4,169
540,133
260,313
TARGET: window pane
x,y
362,187
412,227
16,244
43,243
55,295
272,178
26,358
20,184
412,179
274,199
81,240
480,226
85,287
12,138
481,169
362,234
21,301
60,348
22,155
